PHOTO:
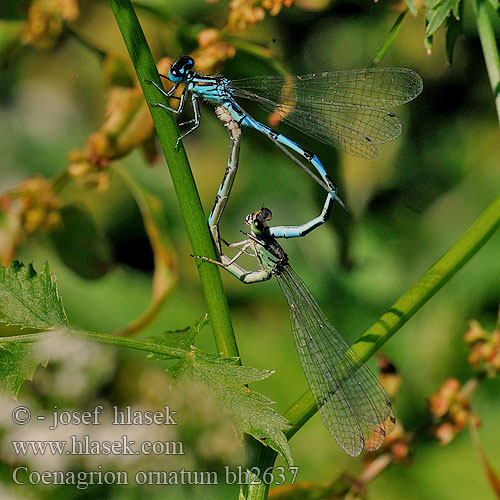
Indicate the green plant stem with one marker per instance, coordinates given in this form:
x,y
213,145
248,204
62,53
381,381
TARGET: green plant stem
x,y
102,338
490,49
411,302
182,178
259,459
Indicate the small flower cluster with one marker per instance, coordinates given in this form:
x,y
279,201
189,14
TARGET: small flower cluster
x,y
212,50
46,20
128,125
30,206
35,203
484,347
245,13
451,406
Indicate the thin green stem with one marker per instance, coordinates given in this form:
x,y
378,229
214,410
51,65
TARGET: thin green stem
x,y
102,338
182,177
411,302
490,49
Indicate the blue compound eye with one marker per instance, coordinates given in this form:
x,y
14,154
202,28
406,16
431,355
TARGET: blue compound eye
x,y
181,67
187,62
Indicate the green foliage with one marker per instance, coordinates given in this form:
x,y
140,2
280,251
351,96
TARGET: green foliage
x,y
455,28
443,175
18,362
28,299
250,411
437,11
182,339
31,300
412,6
495,4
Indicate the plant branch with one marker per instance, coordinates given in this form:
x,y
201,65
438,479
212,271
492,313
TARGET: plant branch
x,y
490,49
182,177
102,338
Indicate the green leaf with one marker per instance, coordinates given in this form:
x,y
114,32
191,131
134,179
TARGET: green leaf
x,y
390,39
437,11
165,274
250,411
428,41
28,299
181,339
412,7
18,362
80,244
496,6
455,28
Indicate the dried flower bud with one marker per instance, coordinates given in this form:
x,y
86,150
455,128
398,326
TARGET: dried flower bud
x,y
46,20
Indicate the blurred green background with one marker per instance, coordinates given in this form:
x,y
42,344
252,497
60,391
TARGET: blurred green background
x,y
406,209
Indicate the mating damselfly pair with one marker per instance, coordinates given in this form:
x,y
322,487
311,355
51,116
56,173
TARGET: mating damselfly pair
x,y
346,109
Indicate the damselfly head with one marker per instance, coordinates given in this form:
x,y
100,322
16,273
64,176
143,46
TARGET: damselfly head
x,y
257,220
180,68
264,214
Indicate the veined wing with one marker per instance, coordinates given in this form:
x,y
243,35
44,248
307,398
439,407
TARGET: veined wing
x,y
351,402
354,129
373,87
345,109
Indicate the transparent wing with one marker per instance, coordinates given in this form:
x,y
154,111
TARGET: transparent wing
x,y
345,109
351,402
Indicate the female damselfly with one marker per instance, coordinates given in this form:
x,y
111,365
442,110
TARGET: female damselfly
x,y
351,401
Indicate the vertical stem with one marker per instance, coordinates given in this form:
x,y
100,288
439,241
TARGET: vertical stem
x,y
185,187
490,49
259,460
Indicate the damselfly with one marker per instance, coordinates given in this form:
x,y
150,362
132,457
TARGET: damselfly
x,y
345,109
351,402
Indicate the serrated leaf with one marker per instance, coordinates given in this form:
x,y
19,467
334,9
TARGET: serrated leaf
x,y
18,362
28,299
437,12
181,339
250,411
80,244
